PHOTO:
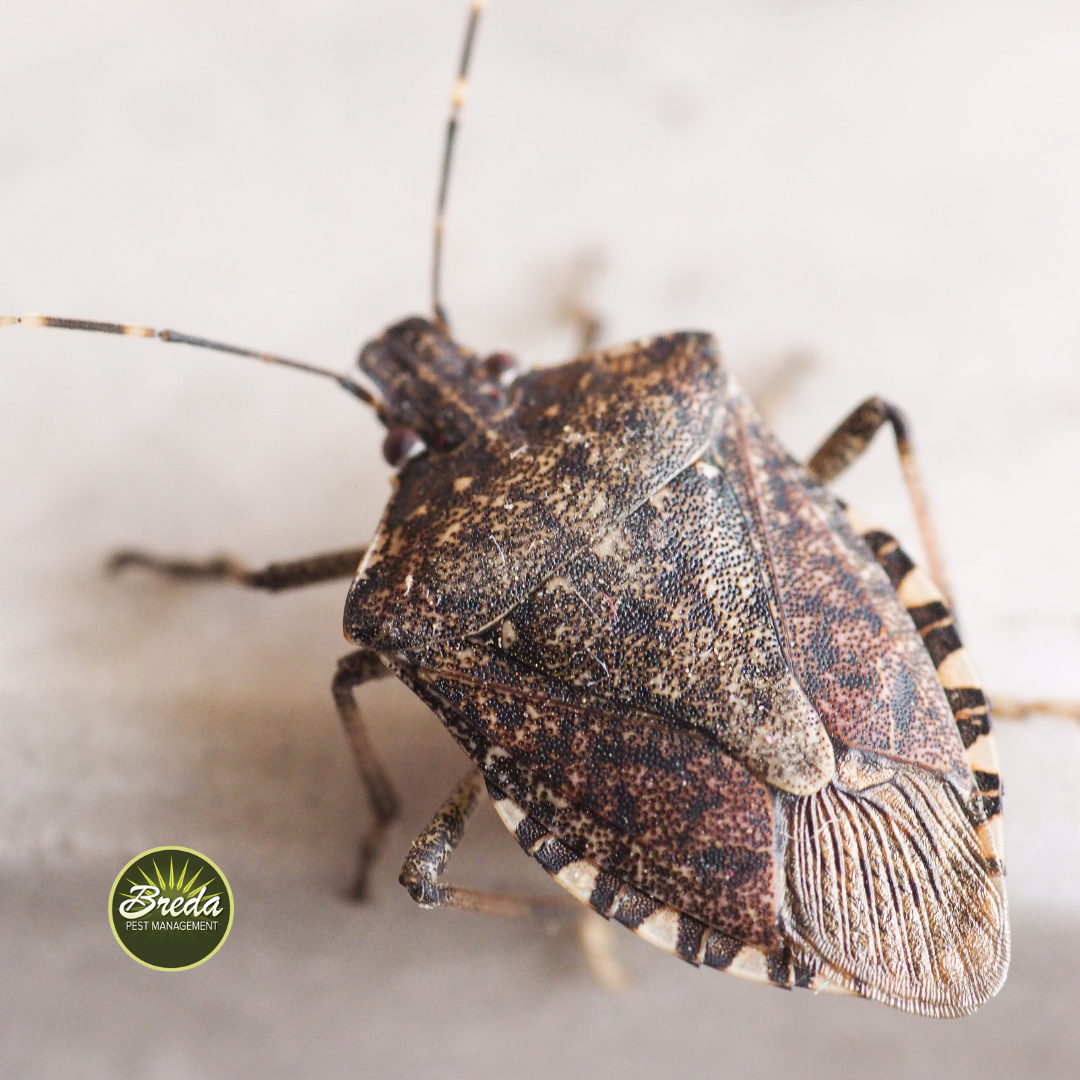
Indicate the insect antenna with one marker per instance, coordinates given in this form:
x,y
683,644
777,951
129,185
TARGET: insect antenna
x,y
131,330
457,100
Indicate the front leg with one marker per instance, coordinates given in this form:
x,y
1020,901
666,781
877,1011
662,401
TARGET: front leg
x,y
274,577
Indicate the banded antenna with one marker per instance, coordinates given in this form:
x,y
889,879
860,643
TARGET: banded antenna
x,y
131,330
457,100
344,381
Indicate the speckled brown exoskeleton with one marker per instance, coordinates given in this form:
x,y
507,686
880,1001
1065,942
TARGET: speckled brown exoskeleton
x,y
715,703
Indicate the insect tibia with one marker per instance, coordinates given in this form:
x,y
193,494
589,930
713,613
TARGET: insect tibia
x,y
432,849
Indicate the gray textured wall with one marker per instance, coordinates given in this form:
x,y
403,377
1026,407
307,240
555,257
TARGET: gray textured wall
x,y
889,190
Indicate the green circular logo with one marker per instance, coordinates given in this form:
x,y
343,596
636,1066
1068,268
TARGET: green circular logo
x,y
171,908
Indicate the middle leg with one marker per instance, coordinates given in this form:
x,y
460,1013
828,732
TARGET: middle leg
x,y
354,670
431,852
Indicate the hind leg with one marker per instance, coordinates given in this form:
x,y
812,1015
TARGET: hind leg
x,y
843,447
848,443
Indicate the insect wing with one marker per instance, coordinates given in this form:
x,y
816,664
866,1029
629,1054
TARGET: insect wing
x,y
848,638
893,887
660,807
681,660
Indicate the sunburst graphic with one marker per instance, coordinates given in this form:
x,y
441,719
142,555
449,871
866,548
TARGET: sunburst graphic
x,y
175,886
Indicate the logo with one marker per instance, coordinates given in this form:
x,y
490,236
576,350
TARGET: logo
x,y
171,908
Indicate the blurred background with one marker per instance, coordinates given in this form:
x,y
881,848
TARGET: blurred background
x,y
873,198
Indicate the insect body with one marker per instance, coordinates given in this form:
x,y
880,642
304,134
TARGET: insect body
x,y
692,689
715,704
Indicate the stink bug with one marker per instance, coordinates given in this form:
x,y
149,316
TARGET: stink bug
x,y
716,706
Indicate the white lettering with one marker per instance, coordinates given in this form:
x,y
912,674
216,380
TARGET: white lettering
x,y
142,895
191,924
192,905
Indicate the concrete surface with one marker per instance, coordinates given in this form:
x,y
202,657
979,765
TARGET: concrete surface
x,y
888,190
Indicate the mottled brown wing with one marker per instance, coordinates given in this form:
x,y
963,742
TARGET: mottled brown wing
x,y
889,885
660,807
651,700
471,532
847,637
878,881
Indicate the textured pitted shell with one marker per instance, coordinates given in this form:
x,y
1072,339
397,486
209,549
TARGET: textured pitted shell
x,y
471,532
660,638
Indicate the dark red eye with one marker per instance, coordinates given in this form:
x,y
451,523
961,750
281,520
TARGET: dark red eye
x,y
499,363
398,444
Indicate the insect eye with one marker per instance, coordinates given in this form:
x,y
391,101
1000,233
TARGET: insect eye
x,y
498,364
399,444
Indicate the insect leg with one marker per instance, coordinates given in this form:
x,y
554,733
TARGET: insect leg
x,y
432,849
848,442
1007,708
353,670
598,943
274,577
576,306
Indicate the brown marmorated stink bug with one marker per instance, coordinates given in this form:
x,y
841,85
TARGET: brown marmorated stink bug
x,y
715,703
